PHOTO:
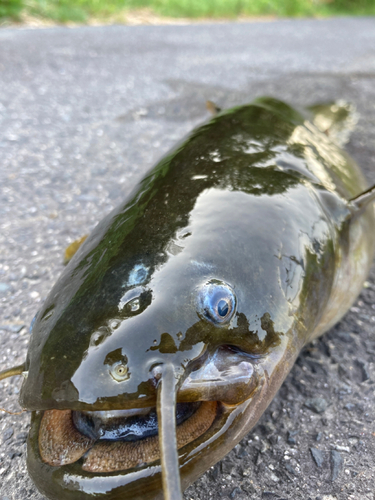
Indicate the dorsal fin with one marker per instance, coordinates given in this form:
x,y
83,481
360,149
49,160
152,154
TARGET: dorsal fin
x,y
337,119
362,201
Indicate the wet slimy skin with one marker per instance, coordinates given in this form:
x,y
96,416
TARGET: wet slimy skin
x,y
237,248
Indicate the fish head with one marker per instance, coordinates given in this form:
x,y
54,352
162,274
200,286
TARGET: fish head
x,y
220,272
232,332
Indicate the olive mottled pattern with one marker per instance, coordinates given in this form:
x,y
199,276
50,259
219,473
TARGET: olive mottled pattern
x,y
237,248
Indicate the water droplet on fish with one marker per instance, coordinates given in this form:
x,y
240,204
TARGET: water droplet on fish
x,y
134,305
137,275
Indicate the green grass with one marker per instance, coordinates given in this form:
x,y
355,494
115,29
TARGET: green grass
x,y
82,10
10,8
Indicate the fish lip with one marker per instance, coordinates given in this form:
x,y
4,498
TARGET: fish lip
x,y
61,443
62,481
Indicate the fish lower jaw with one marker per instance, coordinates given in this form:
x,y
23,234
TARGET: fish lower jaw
x,y
61,443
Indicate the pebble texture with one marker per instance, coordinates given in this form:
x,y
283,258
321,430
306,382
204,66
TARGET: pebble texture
x,y
84,113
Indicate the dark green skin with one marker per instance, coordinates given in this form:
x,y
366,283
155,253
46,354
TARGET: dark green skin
x,y
253,198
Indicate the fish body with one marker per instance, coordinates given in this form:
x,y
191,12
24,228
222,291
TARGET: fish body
x,y
239,247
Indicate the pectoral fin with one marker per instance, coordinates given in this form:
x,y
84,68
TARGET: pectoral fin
x,y
212,108
71,250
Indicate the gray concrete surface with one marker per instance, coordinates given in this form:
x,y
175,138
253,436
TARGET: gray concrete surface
x,y
84,113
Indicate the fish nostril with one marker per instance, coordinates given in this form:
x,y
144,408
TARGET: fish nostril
x,y
119,371
117,363
156,373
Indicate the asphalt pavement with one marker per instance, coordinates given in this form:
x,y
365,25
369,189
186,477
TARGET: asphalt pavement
x,y
84,113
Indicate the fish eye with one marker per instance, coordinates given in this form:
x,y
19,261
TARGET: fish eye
x,y
216,302
223,308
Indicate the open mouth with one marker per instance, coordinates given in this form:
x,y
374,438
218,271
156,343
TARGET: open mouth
x,y
116,440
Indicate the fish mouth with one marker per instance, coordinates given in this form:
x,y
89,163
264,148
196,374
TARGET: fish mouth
x,y
113,441
117,440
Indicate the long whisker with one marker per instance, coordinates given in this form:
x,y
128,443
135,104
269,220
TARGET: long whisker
x,y
166,411
13,412
10,372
